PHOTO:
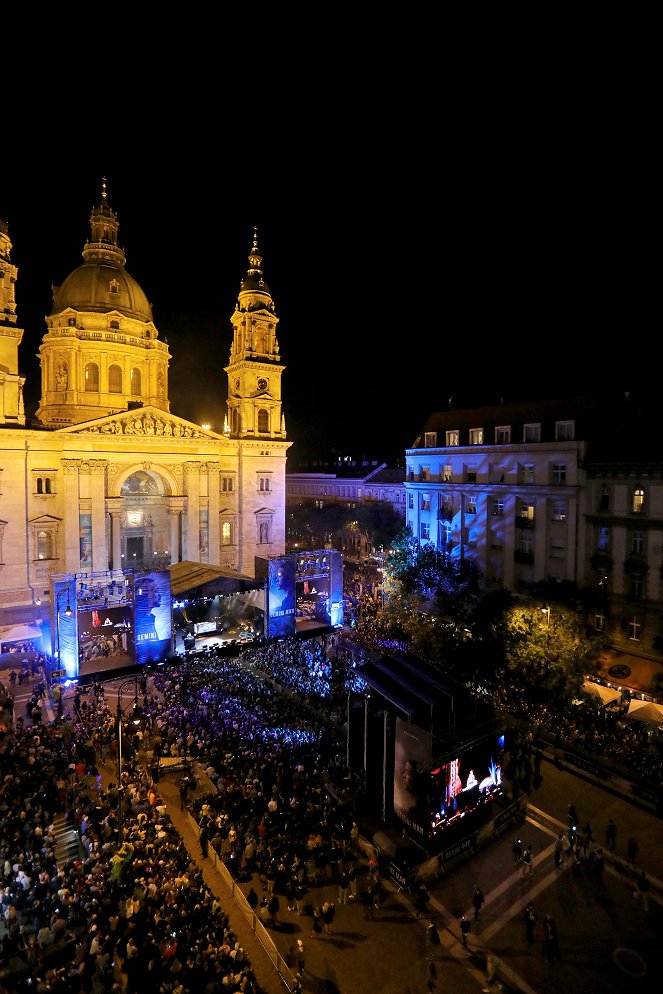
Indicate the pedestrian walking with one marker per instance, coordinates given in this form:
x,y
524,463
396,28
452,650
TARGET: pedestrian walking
x,y
632,850
611,835
573,817
641,892
203,838
531,918
517,850
316,929
328,912
432,939
274,906
301,890
527,861
353,875
478,900
422,897
299,957
465,928
587,838
343,885
550,940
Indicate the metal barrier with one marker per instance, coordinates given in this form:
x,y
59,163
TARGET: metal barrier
x,y
252,920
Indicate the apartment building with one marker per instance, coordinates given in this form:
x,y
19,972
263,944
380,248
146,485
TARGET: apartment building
x,y
562,489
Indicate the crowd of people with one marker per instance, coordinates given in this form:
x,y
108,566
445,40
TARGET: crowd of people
x,y
133,912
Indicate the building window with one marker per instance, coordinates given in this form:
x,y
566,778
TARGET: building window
x,y
424,474
526,542
559,473
503,435
557,549
263,420
559,510
136,388
424,531
471,506
470,474
636,585
227,484
44,485
532,433
44,545
226,533
425,502
637,543
599,621
92,377
604,499
638,501
447,474
525,474
114,379
445,535
633,629
430,439
476,436
564,431
115,325
526,510
497,507
604,539
453,437
410,500
264,484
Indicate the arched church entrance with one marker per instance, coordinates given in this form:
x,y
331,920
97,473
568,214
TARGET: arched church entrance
x,y
150,527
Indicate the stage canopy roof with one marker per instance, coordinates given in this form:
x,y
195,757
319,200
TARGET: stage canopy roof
x,y
190,579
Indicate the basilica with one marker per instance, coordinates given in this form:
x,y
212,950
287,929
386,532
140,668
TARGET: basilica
x,y
110,479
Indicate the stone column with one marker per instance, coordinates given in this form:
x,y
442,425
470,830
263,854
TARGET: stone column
x,y
72,550
116,531
214,554
192,492
97,469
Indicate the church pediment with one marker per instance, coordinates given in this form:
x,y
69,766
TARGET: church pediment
x,y
145,421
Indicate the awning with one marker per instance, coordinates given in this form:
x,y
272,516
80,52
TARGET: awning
x,y
605,694
18,633
646,711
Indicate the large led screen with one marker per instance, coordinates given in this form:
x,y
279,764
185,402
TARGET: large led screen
x,y
152,616
281,604
412,780
105,635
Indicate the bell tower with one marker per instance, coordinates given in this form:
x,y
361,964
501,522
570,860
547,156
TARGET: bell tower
x,y
254,371
12,411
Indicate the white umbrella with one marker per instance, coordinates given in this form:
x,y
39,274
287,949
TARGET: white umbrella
x,y
605,694
646,711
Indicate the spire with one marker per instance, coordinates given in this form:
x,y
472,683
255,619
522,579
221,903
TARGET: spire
x,y
254,292
104,225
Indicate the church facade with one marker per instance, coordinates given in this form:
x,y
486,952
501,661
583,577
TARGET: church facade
x,y
109,478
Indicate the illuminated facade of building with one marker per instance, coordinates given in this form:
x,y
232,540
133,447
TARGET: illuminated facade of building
x,y
110,479
566,490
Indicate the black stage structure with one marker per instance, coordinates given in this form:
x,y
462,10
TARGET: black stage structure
x,y
430,753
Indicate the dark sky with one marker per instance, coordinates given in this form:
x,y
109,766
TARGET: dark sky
x,y
481,272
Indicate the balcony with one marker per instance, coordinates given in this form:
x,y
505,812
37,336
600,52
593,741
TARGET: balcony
x,y
524,522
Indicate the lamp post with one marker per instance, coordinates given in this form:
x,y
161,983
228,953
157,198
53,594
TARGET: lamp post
x,y
546,611
136,720
68,612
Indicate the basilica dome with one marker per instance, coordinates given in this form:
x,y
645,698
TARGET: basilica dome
x,y
102,285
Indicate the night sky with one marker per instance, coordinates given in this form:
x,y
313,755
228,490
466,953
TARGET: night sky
x,y
397,288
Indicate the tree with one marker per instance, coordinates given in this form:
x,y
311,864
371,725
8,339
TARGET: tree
x,y
548,651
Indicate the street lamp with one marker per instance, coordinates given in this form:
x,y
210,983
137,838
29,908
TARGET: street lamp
x,y
136,721
546,611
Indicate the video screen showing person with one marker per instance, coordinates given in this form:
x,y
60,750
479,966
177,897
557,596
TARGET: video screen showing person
x,y
463,784
281,603
105,634
152,616
412,782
